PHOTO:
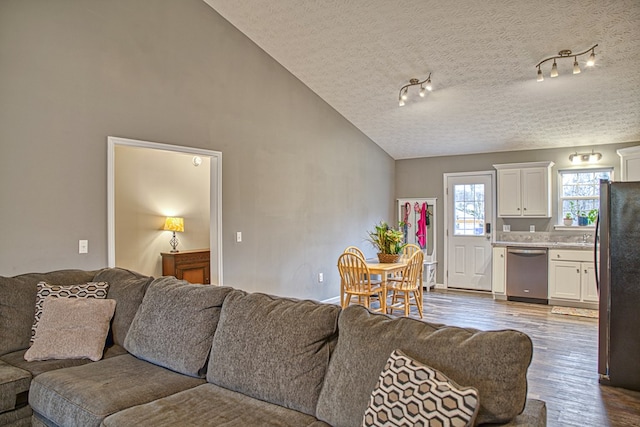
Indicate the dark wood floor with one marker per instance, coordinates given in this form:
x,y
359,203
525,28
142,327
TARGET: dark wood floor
x,y
564,370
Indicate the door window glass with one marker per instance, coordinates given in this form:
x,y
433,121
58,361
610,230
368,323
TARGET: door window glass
x,y
469,209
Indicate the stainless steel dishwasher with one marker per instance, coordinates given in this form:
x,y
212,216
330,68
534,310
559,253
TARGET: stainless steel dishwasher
x,y
527,275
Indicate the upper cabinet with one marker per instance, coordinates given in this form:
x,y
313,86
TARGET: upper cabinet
x,y
630,163
524,189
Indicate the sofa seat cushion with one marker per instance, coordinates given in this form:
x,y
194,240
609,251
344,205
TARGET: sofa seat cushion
x,y
85,395
175,323
38,367
14,383
18,304
274,349
209,405
493,362
17,418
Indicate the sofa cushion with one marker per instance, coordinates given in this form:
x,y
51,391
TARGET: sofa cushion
x,y
494,362
127,288
13,383
274,349
211,405
175,323
18,418
18,304
67,397
40,366
410,392
80,290
72,328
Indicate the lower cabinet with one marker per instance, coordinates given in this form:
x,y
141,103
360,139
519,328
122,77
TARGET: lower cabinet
x,y
572,276
192,266
498,272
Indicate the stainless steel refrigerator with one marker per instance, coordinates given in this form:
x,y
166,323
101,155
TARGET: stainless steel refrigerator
x,y
618,277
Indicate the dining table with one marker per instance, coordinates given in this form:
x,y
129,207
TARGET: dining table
x,y
385,270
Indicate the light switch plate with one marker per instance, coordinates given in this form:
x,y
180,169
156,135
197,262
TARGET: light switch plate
x,y
506,228
83,246
238,236
532,228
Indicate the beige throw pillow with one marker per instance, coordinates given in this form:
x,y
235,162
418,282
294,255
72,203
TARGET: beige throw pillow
x,y
81,290
72,328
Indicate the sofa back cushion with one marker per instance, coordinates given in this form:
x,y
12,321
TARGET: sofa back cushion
x,y
494,362
175,323
274,349
127,288
18,304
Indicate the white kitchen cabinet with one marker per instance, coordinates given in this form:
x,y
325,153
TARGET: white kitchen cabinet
x,y
572,278
524,190
630,163
565,280
588,280
499,270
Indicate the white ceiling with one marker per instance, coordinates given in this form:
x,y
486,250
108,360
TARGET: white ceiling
x,y
356,54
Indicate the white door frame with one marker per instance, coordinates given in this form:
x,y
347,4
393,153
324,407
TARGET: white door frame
x,y
215,225
445,180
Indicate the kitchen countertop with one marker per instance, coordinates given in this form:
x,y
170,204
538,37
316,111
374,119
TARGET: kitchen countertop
x,y
549,245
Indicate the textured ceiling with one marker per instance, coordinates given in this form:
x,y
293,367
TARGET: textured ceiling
x,y
356,54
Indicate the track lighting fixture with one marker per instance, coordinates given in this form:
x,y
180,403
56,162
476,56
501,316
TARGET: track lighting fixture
x,y
425,86
592,157
567,53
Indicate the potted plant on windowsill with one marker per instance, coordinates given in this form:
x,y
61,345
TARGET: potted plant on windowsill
x,y
388,241
568,219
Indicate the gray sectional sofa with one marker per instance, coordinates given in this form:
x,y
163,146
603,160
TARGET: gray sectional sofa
x,y
181,354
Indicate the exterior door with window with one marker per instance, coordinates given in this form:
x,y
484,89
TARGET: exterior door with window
x,y
469,201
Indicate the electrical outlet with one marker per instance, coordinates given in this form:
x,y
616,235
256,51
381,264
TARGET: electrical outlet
x,y
83,246
320,277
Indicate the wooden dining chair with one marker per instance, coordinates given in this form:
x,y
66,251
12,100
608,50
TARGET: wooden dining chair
x,y
408,287
356,281
355,250
410,249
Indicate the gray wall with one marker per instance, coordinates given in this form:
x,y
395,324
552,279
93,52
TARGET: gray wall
x,y
424,178
299,181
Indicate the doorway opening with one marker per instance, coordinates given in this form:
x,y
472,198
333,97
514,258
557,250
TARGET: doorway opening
x,y
149,223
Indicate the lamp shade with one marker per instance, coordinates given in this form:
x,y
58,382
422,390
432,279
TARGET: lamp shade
x,y
174,224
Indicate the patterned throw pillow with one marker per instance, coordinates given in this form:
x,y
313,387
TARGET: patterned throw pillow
x,y
410,393
84,290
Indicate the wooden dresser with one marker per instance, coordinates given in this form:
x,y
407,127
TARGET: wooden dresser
x,y
192,266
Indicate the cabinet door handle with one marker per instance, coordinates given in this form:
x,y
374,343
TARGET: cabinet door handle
x,y
578,270
585,271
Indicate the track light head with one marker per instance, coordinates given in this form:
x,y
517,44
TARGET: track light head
x,y
422,91
428,86
540,76
576,66
554,69
592,59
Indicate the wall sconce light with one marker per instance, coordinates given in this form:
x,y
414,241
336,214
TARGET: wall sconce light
x,y
566,53
592,157
425,86
174,224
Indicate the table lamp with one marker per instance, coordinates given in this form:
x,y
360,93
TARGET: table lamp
x,y
174,224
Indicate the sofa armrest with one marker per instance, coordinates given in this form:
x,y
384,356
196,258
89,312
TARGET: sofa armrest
x,y
14,387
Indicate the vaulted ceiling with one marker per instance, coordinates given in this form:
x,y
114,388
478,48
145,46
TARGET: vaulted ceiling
x,y
357,54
